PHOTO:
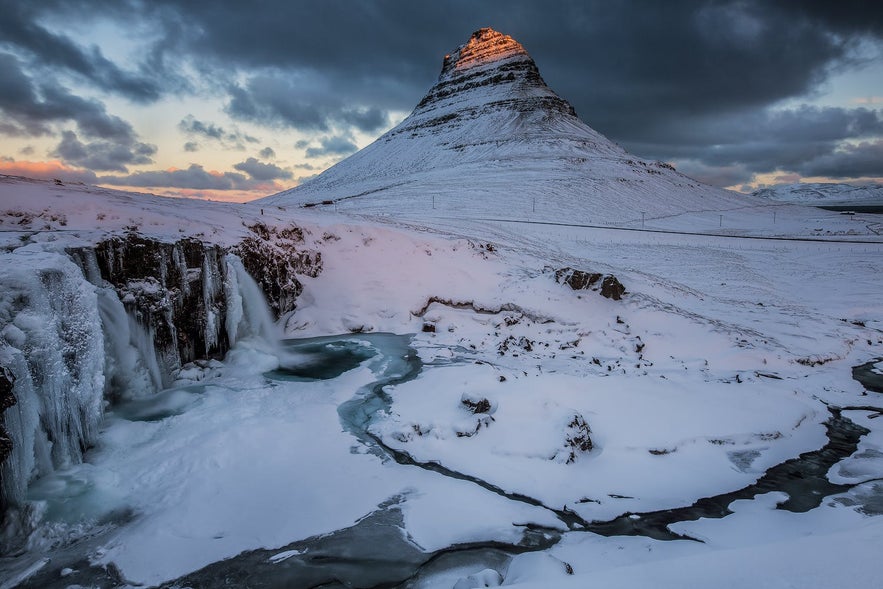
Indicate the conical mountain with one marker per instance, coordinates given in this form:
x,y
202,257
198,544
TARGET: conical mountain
x,y
490,138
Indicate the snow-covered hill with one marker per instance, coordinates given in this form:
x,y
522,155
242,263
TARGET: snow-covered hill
x,y
816,194
491,138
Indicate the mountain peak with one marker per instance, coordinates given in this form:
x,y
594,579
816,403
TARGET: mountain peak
x,y
491,138
485,46
491,71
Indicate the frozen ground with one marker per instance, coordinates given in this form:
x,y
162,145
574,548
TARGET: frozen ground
x,y
721,361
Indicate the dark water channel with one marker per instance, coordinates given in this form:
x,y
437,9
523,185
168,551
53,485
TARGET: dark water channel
x,y
376,552
866,375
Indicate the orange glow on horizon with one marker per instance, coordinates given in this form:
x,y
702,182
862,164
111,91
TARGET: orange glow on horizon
x,y
55,169
46,170
236,196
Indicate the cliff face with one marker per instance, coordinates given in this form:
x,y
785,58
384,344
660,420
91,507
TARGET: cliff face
x,y
274,257
175,290
118,319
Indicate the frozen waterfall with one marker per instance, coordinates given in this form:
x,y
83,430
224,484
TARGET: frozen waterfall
x,y
53,344
247,312
73,347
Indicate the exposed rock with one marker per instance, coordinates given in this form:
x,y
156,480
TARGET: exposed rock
x,y
577,279
609,287
175,290
7,400
475,404
578,440
488,59
612,288
515,345
274,257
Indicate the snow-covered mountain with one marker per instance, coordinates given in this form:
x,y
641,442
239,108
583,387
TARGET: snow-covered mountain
x,y
823,193
491,138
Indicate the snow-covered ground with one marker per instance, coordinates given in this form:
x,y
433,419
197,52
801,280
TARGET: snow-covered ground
x,y
721,361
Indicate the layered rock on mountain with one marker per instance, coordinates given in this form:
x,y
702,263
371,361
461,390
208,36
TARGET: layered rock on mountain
x,y
491,138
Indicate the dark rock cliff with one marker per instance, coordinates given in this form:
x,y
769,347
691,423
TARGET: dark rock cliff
x,y
175,290
7,400
274,257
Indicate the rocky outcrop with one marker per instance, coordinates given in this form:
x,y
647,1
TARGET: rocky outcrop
x,y
579,438
606,284
274,257
174,290
177,291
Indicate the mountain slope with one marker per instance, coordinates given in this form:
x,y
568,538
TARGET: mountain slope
x,y
491,138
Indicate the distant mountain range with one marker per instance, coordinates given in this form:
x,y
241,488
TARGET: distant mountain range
x,y
491,138
823,194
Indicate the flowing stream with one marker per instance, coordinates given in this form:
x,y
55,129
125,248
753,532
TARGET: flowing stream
x,y
375,551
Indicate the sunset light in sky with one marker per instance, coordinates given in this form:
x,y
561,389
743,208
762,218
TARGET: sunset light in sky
x,y
181,98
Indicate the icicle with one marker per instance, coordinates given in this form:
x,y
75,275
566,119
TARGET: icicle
x,y
212,283
22,421
132,369
52,338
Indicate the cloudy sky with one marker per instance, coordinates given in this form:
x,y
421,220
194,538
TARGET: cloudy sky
x,y
235,100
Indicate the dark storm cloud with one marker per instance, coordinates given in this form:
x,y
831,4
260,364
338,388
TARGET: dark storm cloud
x,y
20,29
195,177
664,79
196,127
105,156
277,100
260,171
676,55
731,175
332,146
765,141
234,139
633,69
30,106
757,136
849,161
